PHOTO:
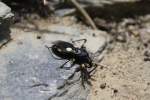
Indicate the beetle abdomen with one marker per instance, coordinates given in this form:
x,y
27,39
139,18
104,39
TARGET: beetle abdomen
x,y
63,49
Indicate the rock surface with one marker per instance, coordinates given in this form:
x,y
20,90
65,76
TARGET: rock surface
x,y
126,74
5,19
5,11
29,72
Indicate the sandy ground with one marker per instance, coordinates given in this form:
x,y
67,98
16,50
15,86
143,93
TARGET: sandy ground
x,y
125,75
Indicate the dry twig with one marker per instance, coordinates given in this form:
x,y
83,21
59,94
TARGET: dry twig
x,y
84,13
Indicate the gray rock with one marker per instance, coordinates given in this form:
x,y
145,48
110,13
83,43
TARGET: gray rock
x,y
5,20
29,72
5,11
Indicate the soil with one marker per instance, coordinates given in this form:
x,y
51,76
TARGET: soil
x,y
125,75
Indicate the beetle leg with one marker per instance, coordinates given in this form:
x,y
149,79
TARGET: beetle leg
x,y
85,40
67,68
87,76
51,53
76,70
62,66
71,66
86,73
82,78
95,66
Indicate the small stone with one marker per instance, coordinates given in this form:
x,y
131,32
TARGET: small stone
x,y
138,48
148,83
93,35
145,45
114,73
146,59
38,37
121,38
101,67
96,92
147,53
103,86
115,91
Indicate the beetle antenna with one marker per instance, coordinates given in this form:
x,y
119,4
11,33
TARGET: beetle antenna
x,y
47,46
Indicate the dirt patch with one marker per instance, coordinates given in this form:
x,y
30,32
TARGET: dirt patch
x,y
125,75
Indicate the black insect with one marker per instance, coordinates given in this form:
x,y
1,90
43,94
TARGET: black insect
x,y
77,55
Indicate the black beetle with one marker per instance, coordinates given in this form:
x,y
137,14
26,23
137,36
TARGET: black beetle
x,y
77,55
